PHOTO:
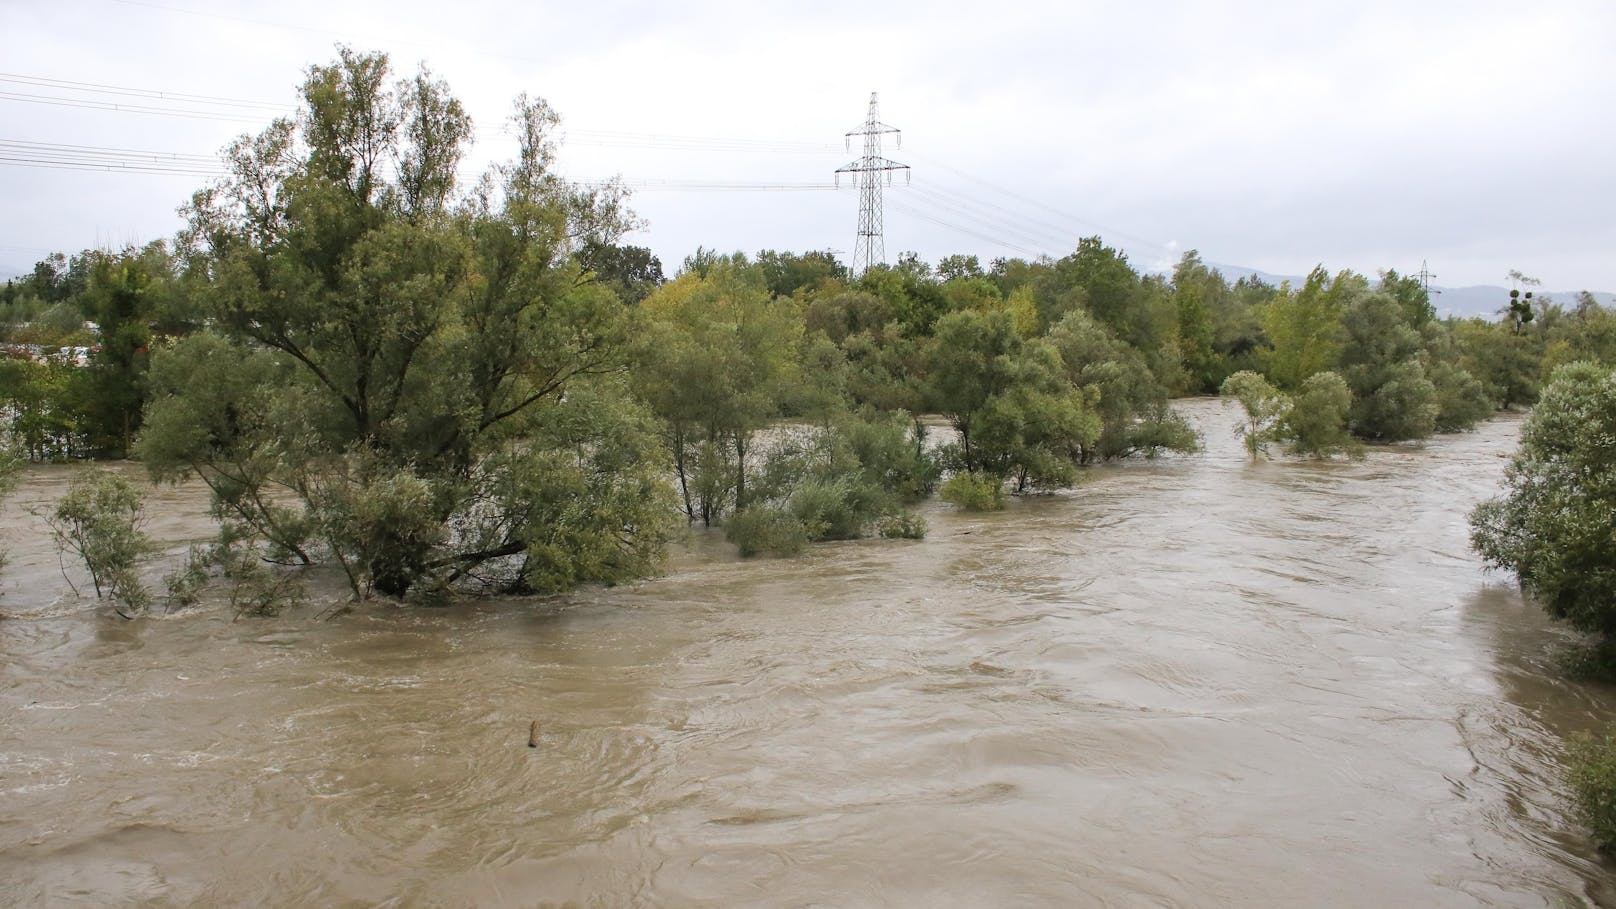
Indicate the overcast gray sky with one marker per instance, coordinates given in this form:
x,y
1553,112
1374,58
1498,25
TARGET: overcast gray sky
x,y
1363,135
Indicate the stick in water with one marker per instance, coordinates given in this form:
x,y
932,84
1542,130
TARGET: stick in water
x,y
533,735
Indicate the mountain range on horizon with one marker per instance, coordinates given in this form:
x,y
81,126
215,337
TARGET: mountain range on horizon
x,y
1463,302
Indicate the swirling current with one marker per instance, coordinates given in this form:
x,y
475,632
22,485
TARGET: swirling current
x,y
1196,681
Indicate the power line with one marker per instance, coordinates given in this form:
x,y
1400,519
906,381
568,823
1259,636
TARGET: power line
x,y
242,19
989,211
587,137
103,151
104,89
111,166
947,204
997,241
694,143
481,52
1015,230
1046,207
125,108
677,185
62,156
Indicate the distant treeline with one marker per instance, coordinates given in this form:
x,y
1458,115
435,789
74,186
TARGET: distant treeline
x,y
1131,340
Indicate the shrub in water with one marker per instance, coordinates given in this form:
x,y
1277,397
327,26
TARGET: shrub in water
x,y
99,520
1591,771
904,526
766,529
974,491
836,508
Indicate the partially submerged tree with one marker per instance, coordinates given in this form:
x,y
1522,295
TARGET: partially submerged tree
x,y
1017,415
123,297
100,521
1555,527
717,358
1393,400
1135,417
1316,423
1303,327
838,482
422,383
1265,408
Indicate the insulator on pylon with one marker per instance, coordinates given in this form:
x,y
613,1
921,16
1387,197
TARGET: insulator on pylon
x,y
866,174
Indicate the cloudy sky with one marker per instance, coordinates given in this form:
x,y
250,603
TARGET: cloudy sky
x,y
1366,135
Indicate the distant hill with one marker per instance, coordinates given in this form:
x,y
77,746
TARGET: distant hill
x,y
1477,300
1486,300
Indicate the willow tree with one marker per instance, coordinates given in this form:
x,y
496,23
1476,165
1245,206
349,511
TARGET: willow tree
x,y
717,358
409,377
1009,400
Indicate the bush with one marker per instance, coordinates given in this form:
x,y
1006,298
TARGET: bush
x,y
1393,404
1554,525
99,519
1462,401
832,484
1316,424
256,589
1265,407
904,526
838,508
1591,772
1161,428
766,529
974,491
891,453
184,585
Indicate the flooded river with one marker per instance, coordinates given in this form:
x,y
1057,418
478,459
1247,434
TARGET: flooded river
x,y
1194,682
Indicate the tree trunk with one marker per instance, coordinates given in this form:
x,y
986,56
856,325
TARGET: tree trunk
x,y
740,471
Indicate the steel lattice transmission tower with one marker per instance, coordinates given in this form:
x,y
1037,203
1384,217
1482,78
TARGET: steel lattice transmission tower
x,y
868,174
1425,277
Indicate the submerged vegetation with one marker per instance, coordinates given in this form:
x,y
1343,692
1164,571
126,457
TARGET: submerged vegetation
x,y
439,387
100,521
1555,529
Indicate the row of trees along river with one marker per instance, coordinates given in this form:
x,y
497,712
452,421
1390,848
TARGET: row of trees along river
x,y
436,390
430,383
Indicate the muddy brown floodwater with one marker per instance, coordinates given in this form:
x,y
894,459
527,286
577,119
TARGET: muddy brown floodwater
x,y
1194,682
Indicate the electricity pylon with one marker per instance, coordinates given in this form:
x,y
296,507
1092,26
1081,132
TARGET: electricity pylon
x,y
868,173
1425,277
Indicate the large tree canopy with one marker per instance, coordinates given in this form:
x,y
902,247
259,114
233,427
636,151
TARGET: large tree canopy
x,y
424,385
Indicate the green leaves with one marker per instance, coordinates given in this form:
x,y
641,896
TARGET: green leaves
x,y
1591,771
1316,423
398,368
718,358
1304,329
99,520
1265,407
1555,527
